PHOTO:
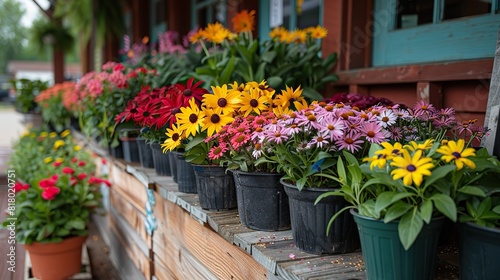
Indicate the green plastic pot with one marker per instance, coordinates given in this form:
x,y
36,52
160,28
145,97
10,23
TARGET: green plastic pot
x,y
479,251
384,256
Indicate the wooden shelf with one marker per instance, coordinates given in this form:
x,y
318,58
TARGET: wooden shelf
x,y
192,243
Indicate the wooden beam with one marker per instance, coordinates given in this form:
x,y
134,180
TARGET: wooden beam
x,y
446,71
431,93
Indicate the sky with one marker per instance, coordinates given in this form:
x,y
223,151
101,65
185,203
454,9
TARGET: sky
x,y
31,10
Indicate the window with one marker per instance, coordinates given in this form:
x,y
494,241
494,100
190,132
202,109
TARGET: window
x,y
204,12
158,19
295,14
419,31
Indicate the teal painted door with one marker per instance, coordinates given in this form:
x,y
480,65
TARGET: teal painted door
x,y
439,39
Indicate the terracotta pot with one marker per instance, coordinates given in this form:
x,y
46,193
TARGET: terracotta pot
x,y
56,261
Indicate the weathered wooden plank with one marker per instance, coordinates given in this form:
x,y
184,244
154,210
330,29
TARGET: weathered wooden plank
x,y
129,186
140,176
161,272
218,218
269,254
226,262
449,71
246,240
131,215
132,246
193,269
345,266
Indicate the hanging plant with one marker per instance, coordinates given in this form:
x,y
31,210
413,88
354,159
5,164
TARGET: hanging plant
x,y
52,33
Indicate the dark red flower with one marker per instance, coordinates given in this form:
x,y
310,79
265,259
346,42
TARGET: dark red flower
x,y
68,170
81,176
170,107
56,164
49,193
192,90
45,183
81,163
18,186
119,67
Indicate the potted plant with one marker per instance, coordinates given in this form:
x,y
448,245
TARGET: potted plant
x,y
307,143
26,92
406,190
50,101
479,225
262,201
53,203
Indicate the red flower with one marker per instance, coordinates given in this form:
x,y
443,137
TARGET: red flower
x,y
73,181
170,107
18,186
119,67
50,193
191,90
96,180
68,170
103,161
74,160
131,75
56,164
46,183
106,182
82,163
81,176
55,177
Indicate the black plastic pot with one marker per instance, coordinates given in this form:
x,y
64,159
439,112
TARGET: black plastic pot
x,y
145,154
186,179
116,152
309,222
262,201
215,187
130,150
479,250
172,159
161,161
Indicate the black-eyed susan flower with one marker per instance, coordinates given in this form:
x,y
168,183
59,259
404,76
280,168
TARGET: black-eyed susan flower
x,y
456,151
289,96
414,146
174,138
214,121
411,168
222,101
252,101
190,118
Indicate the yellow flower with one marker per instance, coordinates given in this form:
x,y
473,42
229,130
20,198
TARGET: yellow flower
x,y
300,105
411,169
216,33
317,32
59,159
244,21
222,101
263,88
58,143
254,102
77,148
190,118
389,150
289,96
44,134
214,121
174,138
52,135
32,135
377,160
414,146
296,36
280,110
65,133
279,33
47,160
457,152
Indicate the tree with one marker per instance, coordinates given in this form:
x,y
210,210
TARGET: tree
x,y
12,34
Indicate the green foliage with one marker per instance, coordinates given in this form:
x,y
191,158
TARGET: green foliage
x,y
45,162
375,192
26,91
52,33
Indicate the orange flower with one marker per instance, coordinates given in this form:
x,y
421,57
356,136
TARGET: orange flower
x,y
196,36
244,21
216,33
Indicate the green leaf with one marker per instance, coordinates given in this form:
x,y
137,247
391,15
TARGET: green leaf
x,y
368,209
396,210
426,211
384,200
268,56
445,205
472,191
438,173
312,94
75,224
409,227
228,70
496,209
274,81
